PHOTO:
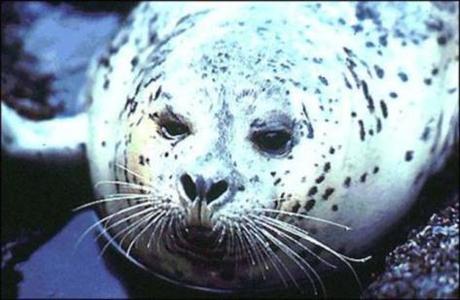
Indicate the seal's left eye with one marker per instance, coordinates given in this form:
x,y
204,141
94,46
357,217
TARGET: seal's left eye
x,y
272,141
174,129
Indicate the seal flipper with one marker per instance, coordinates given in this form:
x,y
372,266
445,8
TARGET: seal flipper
x,y
59,139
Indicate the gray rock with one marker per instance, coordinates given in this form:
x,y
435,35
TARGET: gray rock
x,y
427,265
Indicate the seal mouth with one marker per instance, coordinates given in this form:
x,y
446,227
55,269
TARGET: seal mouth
x,y
198,243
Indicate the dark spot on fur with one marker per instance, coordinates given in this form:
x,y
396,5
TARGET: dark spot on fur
x,y
319,179
376,169
312,191
334,207
442,40
379,125
379,71
134,61
370,101
403,76
383,106
295,207
393,95
363,177
362,133
327,167
323,80
427,81
370,45
347,182
309,205
426,134
383,40
327,193
409,155
357,28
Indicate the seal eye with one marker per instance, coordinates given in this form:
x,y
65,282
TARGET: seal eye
x,y
272,141
172,129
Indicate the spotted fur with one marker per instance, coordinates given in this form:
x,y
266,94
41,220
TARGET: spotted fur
x,y
368,90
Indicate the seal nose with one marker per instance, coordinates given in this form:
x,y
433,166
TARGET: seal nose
x,y
189,186
216,190
204,189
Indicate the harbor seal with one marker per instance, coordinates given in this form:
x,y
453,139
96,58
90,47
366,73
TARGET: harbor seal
x,y
235,147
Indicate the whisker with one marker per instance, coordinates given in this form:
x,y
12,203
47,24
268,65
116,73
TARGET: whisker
x,y
163,223
262,245
155,228
241,249
128,229
265,245
222,234
110,199
304,235
129,184
132,172
106,218
274,228
262,218
121,221
245,241
249,240
307,217
153,218
289,253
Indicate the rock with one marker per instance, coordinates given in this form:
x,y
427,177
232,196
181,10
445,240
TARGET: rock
x,y
427,265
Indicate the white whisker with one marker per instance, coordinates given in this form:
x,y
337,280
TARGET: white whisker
x,y
262,218
153,218
132,172
107,218
265,246
291,254
129,184
307,217
161,219
130,197
128,229
261,245
304,235
280,232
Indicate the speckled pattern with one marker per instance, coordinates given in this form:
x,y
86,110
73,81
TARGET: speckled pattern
x,y
365,127
427,265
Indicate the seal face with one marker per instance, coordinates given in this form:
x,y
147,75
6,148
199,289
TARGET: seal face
x,y
238,147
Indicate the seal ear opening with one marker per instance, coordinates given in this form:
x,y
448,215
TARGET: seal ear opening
x,y
60,139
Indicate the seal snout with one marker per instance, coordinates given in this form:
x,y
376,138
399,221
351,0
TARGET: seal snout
x,y
204,190
200,193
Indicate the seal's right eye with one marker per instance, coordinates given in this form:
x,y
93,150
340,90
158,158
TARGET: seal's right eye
x,y
173,129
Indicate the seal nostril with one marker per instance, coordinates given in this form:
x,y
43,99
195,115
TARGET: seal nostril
x,y
216,190
189,186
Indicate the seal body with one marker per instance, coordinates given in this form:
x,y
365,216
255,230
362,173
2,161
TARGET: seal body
x,y
242,145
